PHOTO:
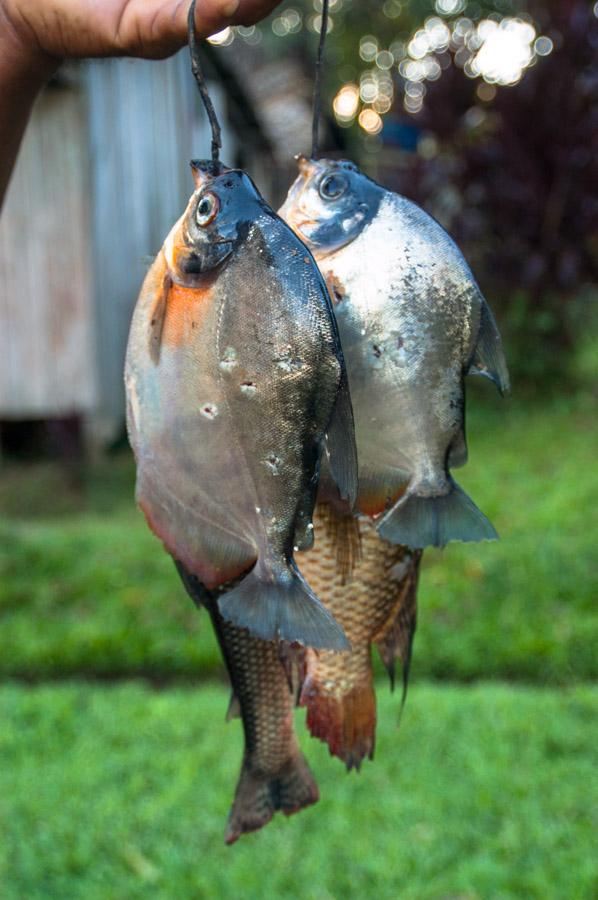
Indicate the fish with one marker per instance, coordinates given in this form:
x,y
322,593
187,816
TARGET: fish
x,y
235,384
275,775
413,323
372,591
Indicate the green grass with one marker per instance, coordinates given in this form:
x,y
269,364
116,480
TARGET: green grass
x,y
121,791
86,589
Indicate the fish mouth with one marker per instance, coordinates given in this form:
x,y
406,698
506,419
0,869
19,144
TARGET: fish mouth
x,y
305,229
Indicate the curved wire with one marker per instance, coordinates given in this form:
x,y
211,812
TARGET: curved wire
x,y
318,81
201,84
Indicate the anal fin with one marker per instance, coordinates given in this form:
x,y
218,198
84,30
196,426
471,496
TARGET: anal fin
x,y
488,357
396,637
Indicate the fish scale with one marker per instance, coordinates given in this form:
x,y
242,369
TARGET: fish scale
x,y
374,601
413,324
235,381
275,776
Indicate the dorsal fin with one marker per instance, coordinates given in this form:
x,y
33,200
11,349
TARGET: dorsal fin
x,y
488,357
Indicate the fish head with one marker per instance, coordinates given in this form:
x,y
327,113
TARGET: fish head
x,y
330,203
216,221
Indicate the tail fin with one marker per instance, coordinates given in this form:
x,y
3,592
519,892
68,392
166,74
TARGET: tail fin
x,y
347,722
281,607
259,796
418,521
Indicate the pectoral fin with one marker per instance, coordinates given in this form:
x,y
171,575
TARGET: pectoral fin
x,y
488,357
458,451
234,708
340,445
157,314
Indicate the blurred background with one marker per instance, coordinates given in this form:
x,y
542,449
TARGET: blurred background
x,y
116,766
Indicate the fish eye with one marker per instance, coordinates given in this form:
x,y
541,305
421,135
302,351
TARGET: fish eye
x,y
333,186
207,210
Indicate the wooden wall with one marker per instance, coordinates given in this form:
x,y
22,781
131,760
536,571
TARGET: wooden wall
x,y
145,124
47,363
102,175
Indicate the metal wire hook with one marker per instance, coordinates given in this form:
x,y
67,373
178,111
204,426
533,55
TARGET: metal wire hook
x,y
318,81
201,84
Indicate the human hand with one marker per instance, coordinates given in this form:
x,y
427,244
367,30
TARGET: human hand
x,y
43,32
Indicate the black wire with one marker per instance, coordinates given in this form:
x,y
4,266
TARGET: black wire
x,y
318,81
201,84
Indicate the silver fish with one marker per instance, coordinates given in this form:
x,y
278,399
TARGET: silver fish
x,y
235,378
413,323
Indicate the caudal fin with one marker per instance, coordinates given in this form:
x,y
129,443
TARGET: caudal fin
x,y
282,608
345,721
259,796
418,521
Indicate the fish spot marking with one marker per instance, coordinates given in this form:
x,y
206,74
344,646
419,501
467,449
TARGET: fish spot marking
x,y
209,410
248,388
336,288
273,463
229,360
289,363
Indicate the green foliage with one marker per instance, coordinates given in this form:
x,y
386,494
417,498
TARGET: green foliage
x,y
89,590
123,792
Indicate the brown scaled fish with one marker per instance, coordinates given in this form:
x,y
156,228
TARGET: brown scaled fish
x,y
235,378
375,602
274,774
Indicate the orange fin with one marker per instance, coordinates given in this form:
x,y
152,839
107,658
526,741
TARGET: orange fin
x,y
346,723
379,492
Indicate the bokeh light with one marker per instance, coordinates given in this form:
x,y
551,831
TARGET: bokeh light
x,y
346,104
506,49
370,121
449,7
368,48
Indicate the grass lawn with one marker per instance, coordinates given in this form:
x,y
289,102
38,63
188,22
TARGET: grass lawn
x,y
120,791
86,589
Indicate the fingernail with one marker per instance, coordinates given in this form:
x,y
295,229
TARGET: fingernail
x,y
229,7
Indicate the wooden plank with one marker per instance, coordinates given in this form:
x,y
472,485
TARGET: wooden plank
x,y
46,352
145,124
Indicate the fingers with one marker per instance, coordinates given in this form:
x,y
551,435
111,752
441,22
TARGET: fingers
x,y
153,29
166,23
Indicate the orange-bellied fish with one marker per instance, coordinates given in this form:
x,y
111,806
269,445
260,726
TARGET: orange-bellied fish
x,y
374,599
413,323
235,378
